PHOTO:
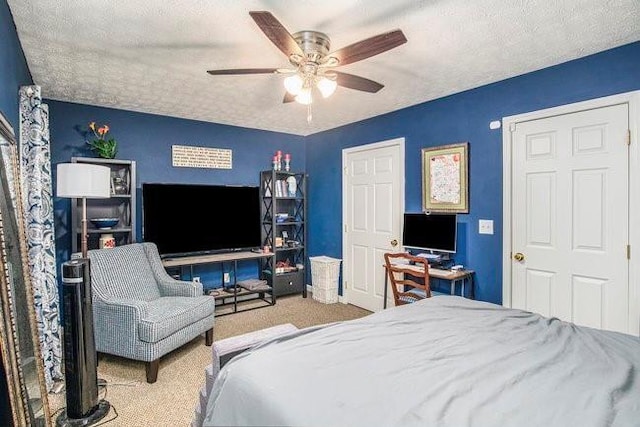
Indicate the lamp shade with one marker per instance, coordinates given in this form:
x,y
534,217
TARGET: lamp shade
x,y
293,84
304,96
326,86
83,180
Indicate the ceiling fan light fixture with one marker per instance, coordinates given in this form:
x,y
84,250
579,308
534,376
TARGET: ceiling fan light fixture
x,y
304,96
310,54
326,86
293,84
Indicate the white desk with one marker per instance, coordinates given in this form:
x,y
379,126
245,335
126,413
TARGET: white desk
x,y
453,277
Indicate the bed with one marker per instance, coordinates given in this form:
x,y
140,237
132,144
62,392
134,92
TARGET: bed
x,y
442,361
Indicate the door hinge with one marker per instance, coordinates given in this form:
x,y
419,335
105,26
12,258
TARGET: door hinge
x,y
345,228
628,251
628,136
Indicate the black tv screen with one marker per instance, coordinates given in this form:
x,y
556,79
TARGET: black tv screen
x,y
435,232
190,218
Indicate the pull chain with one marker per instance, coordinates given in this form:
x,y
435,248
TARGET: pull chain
x,y
309,116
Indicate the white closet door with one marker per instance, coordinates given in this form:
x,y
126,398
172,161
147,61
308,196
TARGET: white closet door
x,y
570,217
373,211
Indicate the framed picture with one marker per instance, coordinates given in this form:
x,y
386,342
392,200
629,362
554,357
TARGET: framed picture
x,y
445,178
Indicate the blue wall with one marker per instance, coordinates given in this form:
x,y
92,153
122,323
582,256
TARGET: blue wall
x,y
461,117
13,66
147,139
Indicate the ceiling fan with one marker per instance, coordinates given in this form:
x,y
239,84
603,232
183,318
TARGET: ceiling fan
x,y
313,62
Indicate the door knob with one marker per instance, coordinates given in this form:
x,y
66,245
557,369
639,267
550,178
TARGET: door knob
x,y
519,256
394,243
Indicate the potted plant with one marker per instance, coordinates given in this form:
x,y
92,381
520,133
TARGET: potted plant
x,y
103,147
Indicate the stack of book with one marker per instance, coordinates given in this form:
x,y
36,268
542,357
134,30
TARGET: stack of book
x,y
281,188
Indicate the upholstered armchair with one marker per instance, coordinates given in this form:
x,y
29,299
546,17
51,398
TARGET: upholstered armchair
x,y
139,311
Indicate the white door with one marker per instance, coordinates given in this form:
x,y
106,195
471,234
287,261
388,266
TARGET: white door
x,y
373,201
570,217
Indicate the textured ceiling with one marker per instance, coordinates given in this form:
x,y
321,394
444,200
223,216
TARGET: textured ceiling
x,y
152,55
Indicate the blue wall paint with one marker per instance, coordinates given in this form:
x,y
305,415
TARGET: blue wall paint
x,y
13,66
147,139
461,117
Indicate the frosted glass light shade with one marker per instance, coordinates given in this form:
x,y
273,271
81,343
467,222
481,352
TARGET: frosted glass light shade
x,y
326,86
293,84
304,96
83,180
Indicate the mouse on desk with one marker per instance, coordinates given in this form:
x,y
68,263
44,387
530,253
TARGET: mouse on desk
x,y
457,267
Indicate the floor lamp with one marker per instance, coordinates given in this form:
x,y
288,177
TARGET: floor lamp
x,y
82,181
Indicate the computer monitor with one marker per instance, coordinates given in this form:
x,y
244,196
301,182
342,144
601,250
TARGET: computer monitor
x,y
435,232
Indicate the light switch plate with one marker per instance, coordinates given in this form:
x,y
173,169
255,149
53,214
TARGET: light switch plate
x,y
485,226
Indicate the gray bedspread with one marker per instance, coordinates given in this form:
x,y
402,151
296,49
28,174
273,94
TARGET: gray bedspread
x,y
443,361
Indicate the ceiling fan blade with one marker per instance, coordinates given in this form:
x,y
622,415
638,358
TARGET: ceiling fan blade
x,y
243,71
277,33
288,98
368,47
356,82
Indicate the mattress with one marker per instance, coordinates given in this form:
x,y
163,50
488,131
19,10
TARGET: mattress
x,y
442,361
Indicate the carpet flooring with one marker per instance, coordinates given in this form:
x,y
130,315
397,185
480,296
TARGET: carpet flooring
x,y
171,400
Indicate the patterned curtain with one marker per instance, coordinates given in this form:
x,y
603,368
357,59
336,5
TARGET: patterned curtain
x,y
35,176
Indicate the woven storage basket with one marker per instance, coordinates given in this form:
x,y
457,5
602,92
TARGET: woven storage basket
x,y
325,272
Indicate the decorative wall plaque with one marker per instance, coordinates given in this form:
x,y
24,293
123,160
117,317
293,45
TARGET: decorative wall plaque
x,y
187,156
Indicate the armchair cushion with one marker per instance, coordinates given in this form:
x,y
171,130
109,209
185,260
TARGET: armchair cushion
x,y
170,314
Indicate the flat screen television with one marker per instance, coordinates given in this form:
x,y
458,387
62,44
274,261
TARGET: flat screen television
x,y
435,232
187,219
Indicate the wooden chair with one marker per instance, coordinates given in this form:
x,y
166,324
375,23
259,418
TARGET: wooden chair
x,y
408,276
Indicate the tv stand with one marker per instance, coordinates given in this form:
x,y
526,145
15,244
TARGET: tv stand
x,y
235,299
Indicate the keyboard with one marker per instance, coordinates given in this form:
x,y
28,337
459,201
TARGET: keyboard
x,y
430,257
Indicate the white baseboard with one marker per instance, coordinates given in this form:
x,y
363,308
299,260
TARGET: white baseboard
x,y
340,299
